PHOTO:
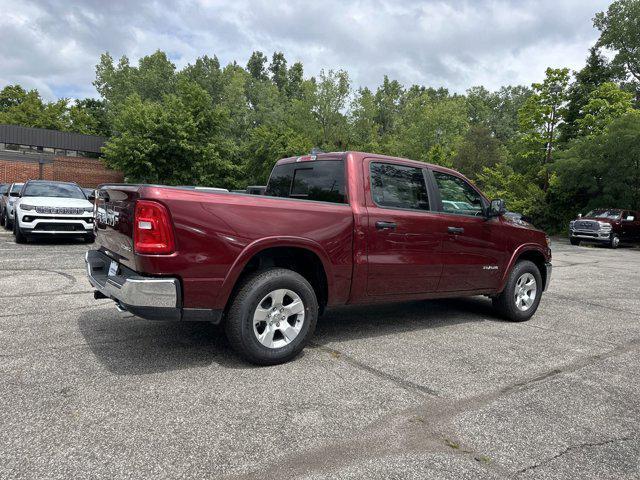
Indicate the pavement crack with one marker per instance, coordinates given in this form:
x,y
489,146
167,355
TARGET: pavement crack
x,y
405,384
569,449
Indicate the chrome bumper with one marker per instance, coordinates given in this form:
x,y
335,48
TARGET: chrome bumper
x,y
129,289
547,277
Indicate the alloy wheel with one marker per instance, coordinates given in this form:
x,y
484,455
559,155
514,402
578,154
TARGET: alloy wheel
x,y
278,318
525,291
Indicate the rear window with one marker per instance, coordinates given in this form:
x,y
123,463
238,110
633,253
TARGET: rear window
x,y
320,180
62,190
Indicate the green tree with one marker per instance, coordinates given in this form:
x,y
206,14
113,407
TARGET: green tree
x,y
620,31
597,71
478,149
330,101
279,72
11,96
606,103
539,118
256,66
173,141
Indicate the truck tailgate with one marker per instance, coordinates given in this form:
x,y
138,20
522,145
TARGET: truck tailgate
x,y
114,221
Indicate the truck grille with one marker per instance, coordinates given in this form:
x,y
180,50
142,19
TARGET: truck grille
x,y
60,210
586,225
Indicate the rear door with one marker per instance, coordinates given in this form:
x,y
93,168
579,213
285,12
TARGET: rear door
x,y
471,249
403,247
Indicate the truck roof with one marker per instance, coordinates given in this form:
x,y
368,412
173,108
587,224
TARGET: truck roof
x,y
361,155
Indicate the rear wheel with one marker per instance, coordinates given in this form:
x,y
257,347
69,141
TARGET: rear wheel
x,y
7,221
574,241
521,295
272,317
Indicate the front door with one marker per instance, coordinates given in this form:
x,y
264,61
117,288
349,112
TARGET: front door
x,y
471,250
403,246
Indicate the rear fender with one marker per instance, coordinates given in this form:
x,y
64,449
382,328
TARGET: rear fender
x,y
271,242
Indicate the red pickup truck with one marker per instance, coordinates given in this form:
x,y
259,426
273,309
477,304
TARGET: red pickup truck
x,y
332,229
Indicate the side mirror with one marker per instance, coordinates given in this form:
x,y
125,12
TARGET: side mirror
x,y
92,197
496,208
14,194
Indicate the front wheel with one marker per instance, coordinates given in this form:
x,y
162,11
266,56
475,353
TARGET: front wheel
x,y
574,241
272,317
521,295
614,242
7,221
20,237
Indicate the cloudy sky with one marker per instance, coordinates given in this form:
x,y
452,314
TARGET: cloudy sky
x,y
53,45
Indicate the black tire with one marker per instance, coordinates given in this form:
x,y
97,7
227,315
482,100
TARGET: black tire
x,y
8,225
614,241
505,302
90,238
574,241
2,219
239,322
20,237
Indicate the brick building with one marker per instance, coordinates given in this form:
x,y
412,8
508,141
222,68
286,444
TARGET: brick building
x,y
36,153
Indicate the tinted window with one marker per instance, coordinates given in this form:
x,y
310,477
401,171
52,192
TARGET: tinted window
x,y
458,196
321,180
397,186
16,187
63,190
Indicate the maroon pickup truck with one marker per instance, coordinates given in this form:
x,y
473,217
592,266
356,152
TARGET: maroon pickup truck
x,y
332,229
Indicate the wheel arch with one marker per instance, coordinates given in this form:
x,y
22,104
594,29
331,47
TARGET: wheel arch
x,y
300,255
532,252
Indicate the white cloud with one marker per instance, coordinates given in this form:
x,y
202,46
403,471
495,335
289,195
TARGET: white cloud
x,y
53,45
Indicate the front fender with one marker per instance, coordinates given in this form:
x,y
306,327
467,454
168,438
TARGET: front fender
x,y
527,247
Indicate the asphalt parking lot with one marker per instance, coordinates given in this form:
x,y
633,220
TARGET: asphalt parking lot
x,y
438,389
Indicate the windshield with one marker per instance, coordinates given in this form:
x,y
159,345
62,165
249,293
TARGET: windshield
x,y
16,187
61,190
613,214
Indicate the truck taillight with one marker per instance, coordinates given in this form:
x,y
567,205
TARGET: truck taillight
x,y
152,232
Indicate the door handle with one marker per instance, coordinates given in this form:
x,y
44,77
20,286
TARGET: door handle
x,y
455,230
386,225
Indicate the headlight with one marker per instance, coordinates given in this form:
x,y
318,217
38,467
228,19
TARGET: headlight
x,y
604,226
24,206
572,223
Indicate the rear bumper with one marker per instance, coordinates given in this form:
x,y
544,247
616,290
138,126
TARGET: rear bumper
x,y
153,298
147,297
547,277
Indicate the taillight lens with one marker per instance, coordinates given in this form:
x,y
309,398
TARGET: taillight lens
x,y
152,232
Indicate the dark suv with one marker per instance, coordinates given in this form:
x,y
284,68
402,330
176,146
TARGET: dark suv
x,y
610,226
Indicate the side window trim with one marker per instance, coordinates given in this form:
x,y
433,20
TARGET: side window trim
x,y
440,206
373,161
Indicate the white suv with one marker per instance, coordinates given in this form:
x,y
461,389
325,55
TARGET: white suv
x,y
8,203
47,209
